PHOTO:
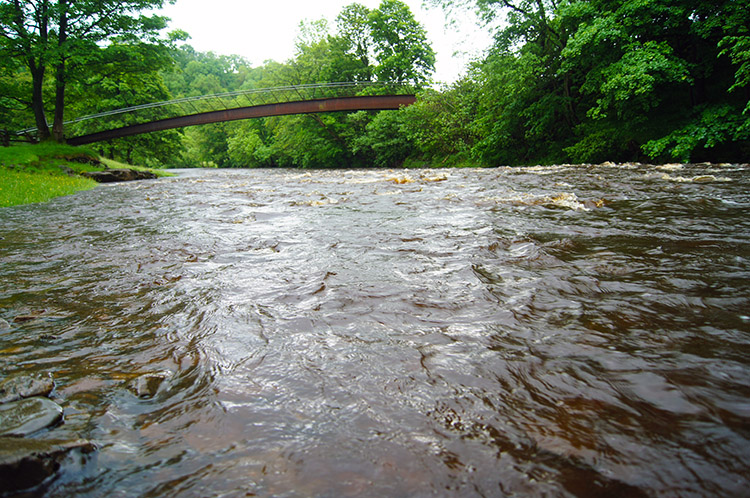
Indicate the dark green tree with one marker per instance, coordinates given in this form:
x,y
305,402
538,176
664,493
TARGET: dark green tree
x,y
602,80
59,38
442,123
353,26
400,45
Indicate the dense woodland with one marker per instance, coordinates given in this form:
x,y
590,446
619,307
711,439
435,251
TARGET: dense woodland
x,y
565,81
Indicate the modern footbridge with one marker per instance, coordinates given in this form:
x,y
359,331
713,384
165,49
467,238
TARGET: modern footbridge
x,y
231,106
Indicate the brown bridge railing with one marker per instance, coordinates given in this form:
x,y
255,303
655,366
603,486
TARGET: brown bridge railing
x,y
357,103
230,106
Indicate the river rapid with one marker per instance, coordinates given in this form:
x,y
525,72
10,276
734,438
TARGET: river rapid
x,y
540,331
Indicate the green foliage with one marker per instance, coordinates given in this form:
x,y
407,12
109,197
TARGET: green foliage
x,y
714,126
599,80
441,123
245,148
599,144
385,142
738,48
400,45
524,113
353,26
126,75
62,41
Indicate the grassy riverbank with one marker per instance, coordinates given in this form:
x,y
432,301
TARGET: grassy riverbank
x,y
38,173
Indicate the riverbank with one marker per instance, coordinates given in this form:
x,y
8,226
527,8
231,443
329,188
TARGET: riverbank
x,y
41,172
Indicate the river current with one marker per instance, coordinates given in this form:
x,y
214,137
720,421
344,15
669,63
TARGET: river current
x,y
541,331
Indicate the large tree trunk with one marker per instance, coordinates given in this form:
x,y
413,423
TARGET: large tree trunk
x,y
36,64
58,131
37,100
58,128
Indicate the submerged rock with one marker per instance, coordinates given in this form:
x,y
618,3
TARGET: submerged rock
x,y
25,386
118,175
147,385
4,325
28,416
25,463
34,315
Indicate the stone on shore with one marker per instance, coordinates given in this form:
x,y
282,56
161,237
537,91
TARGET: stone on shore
x,y
25,386
27,416
118,175
25,463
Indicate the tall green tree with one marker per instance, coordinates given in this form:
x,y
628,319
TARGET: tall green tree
x,y
353,26
400,44
59,37
385,44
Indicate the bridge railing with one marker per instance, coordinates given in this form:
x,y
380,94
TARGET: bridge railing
x,y
94,122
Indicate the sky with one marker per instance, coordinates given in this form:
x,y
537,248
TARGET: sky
x,y
260,30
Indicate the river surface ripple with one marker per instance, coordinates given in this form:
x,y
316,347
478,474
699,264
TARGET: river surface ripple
x,y
547,331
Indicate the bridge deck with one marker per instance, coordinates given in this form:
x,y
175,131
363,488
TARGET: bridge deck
x,y
336,104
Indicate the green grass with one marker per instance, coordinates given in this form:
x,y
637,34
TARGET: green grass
x,y
37,173
20,187
36,156
111,163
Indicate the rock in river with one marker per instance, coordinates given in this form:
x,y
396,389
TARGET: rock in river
x,y
118,175
28,416
25,386
25,463
147,385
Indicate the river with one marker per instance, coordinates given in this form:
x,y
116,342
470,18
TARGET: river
x,y
540,331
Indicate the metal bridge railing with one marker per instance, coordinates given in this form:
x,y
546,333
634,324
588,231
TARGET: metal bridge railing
x,y
227,100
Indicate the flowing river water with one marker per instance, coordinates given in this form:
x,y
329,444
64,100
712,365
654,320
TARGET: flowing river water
x,y
545,331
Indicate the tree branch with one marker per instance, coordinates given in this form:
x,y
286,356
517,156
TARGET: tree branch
x,y
513,7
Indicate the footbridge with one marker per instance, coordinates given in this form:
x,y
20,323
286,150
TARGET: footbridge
x,y
231,106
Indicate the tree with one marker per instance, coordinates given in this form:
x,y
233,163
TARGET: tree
x,y
400,45
62,36
353,26
599,80
442,123
125,75
13,104
665,87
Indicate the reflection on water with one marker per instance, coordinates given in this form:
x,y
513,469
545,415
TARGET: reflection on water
x,y
543,331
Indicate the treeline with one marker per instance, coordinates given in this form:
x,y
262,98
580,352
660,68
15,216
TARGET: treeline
x,y
602,80
565,81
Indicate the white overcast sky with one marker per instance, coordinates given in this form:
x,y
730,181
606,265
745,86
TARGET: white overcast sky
x,y
266,29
